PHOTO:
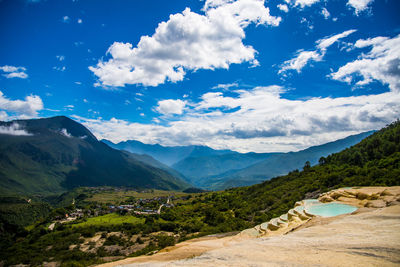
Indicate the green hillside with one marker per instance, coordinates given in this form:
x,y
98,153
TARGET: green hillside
x,y
60,154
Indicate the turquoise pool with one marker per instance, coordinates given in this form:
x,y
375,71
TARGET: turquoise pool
x,y
330,209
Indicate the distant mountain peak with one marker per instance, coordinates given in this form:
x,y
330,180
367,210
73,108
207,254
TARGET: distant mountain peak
x,y
168,155
58,124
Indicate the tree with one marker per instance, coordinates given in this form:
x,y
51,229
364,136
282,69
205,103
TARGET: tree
x,y
307,166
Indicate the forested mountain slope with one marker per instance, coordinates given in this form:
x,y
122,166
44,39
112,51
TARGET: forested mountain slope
x,y
51,155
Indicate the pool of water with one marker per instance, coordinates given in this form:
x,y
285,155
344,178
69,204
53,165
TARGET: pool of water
x,y
299,208
330,209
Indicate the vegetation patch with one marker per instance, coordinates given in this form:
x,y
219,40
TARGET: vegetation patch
x,y
109,219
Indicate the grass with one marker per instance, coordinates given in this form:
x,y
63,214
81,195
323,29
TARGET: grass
x,y
30,227
110,219
115,197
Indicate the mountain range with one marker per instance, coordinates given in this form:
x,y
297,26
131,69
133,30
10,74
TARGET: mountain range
x,y
212,169
168,155
52,155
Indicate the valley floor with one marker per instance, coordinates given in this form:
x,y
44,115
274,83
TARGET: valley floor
x,y
368,237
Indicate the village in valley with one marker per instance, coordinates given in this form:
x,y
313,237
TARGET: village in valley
x,y
96,201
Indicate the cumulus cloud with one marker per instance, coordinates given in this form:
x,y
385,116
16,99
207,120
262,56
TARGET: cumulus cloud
x,y
14,72
359,5
381,63
188,41
13,129
260,119
170,106
283,8
302,57
27,108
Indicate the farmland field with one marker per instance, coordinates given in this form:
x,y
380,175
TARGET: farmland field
x,y
115,197
110,219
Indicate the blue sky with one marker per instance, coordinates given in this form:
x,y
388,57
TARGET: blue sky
x,y
247,75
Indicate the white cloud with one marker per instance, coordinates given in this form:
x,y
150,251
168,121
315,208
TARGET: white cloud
x,y
325,13
260,119
359,5
64,132
79,21
22,109
381,63
63,68
69,107
302,3
188,41
302,58
324,43
21,75
60,57
170,106
65,19
225,86
283,8
14,129
3,115
14,72
7,68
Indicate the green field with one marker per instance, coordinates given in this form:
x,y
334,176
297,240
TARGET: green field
x,y
115,197
110,219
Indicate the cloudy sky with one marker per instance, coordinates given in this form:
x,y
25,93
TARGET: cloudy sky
x,y
246,75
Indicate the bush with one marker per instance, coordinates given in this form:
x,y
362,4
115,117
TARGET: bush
x,y
165,241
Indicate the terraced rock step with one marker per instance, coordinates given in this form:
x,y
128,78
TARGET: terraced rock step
x,y
284,217
264,226
295,216
291,214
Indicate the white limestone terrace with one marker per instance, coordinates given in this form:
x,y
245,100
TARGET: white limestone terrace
x,y
288,221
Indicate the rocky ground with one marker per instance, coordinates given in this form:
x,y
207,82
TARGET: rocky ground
x,y
368,237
